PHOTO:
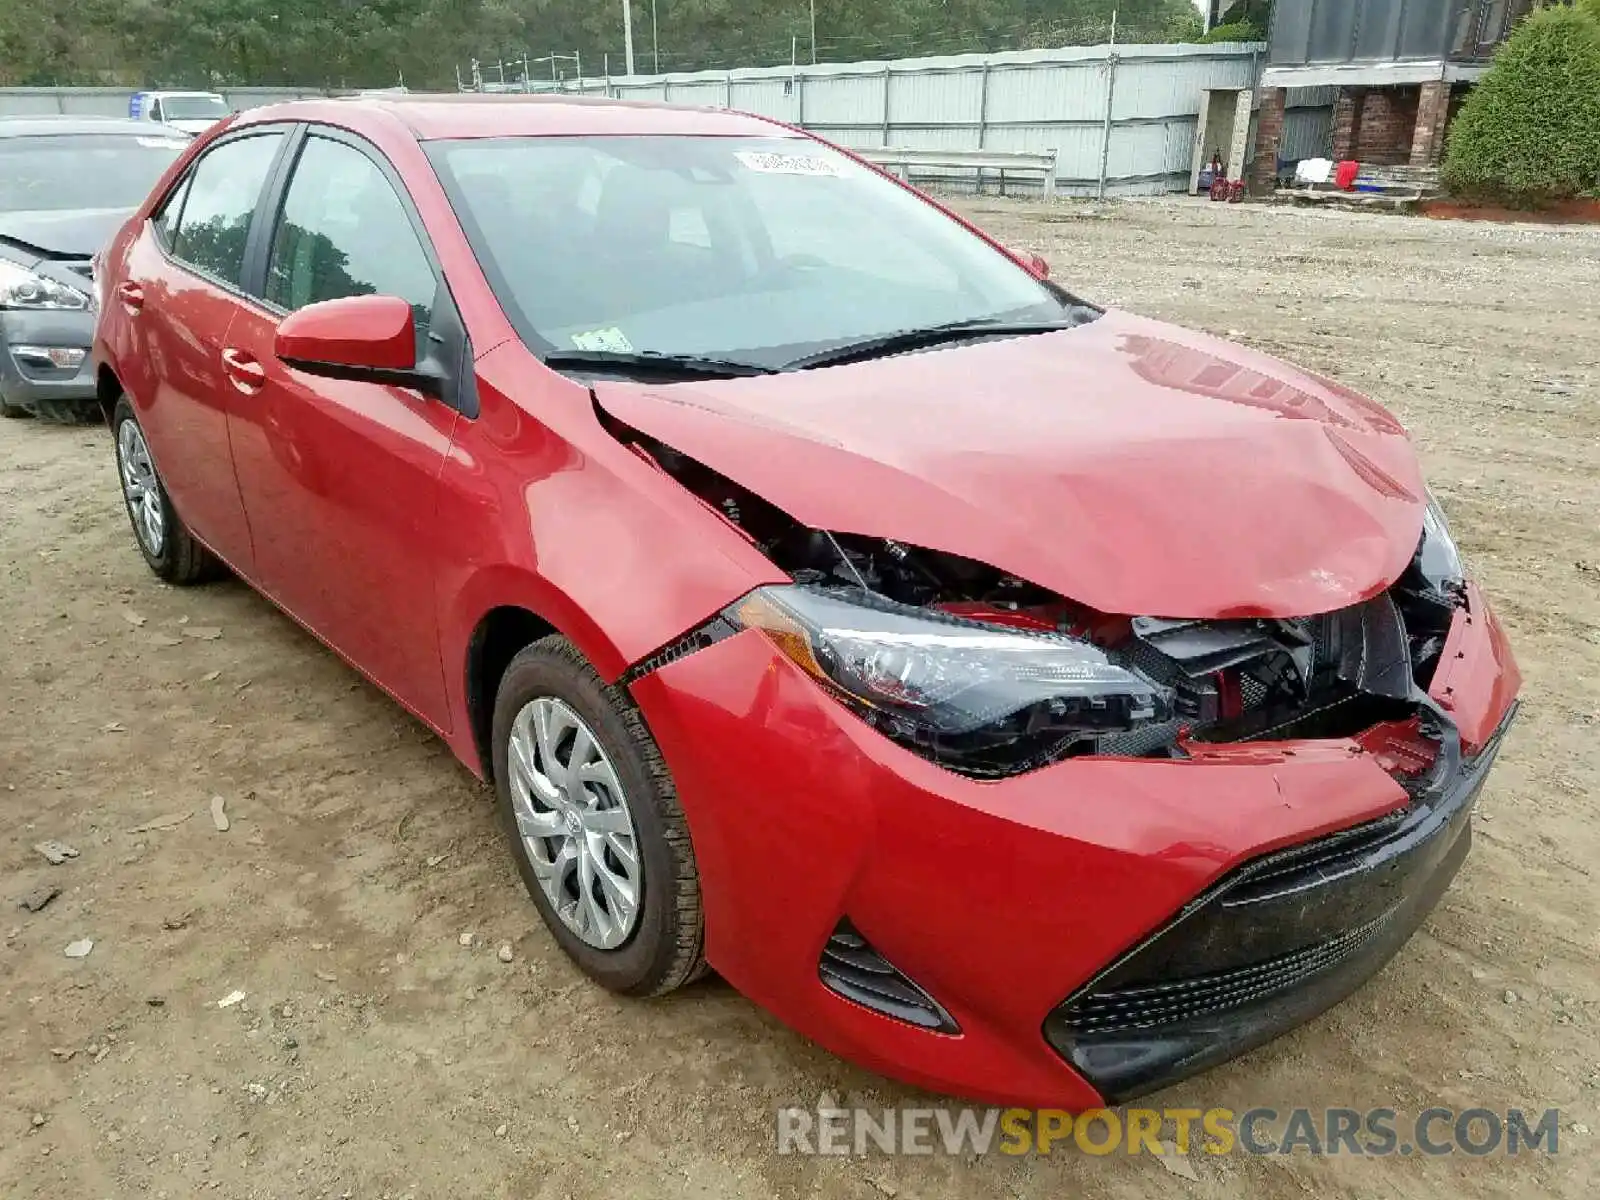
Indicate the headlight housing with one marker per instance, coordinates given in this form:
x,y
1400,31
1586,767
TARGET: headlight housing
x,y
1438,562
974,697
21,288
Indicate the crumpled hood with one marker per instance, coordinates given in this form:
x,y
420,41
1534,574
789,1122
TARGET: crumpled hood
x,y
75,233
1129,465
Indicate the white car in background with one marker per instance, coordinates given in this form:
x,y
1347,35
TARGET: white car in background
x,y
189,112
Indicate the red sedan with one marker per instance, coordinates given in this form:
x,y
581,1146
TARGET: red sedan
x,y
1024,699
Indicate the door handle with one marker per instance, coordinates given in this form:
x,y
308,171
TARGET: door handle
x,y
243,371
132,297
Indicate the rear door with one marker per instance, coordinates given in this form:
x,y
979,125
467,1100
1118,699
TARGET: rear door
x,y
182,289
340,478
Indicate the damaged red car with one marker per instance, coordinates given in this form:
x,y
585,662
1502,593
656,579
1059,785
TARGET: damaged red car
x,y
1021,698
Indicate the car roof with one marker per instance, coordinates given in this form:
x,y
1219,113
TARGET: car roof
x,y
476,115
46,125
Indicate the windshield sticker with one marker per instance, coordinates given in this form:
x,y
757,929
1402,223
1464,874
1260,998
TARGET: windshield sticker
x,y
605,341
787,164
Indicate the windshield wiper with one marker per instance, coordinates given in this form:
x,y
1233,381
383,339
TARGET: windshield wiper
x,y
655,363
919,339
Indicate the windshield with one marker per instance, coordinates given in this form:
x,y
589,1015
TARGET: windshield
x,y
193,108
762,250
64,172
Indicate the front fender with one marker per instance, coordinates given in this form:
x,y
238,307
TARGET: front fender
x,y
553,515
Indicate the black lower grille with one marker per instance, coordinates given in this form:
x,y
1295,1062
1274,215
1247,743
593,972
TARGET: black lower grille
x,y
851,968
1203,995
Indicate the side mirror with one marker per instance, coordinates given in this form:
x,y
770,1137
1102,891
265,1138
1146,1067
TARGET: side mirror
x,y
1037,267
367,339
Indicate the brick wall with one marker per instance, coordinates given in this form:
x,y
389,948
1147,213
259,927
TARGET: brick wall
x,y
1433,115
1347,105
1269,136
1375,125
1388,125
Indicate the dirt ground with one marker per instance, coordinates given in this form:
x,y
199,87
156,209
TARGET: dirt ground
x,y
375,1055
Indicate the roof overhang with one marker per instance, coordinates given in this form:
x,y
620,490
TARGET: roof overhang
x,y
1372,74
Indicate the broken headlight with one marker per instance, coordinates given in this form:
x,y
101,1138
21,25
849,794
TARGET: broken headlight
x,y
968,695
1438,562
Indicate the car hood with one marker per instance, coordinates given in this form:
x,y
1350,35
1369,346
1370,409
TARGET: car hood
x,y
73,234
1132,466
193,125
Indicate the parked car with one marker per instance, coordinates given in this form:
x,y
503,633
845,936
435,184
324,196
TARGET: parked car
x,y
66,184
1022,698
186,112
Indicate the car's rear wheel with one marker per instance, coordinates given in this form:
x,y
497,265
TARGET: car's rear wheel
x,y
165,541
594,823
12,410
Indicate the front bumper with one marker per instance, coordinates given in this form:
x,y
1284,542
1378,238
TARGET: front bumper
x,y
24,383
1277,942
1004,902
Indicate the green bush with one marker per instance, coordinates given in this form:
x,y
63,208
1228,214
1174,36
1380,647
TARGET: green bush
x,y
1238,31
1530,132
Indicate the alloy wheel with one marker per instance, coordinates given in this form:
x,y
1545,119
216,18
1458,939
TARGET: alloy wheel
x,y
575,825
142,489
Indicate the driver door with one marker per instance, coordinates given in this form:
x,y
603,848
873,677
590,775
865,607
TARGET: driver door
x,y
340,478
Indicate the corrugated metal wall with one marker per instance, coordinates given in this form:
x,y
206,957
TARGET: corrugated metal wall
x,y
1028,101
1307,123
1343,31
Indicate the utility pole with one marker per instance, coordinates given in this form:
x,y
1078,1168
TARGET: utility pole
x,y
655,40
627,33
813,32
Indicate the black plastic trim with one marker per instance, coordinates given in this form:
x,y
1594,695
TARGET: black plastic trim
x,y
698,638
850,967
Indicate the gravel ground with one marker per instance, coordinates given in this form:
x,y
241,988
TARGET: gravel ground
x,y
374,1054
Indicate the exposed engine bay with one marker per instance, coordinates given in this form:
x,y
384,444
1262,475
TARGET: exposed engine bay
x,y
1344,674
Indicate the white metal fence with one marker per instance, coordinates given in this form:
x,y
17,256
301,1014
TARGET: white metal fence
x,y
1120,120
1124,115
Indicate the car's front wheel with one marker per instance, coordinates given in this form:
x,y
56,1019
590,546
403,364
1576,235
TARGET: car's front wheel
x,y
165,541
594,823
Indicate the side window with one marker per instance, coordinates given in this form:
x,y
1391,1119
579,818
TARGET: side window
x,y
171,211
344,232
223,190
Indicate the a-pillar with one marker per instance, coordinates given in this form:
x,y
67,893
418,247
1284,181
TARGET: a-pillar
x,y
1269,137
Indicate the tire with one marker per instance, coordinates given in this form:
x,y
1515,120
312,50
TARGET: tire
x,y
13,411
174,555
66,412
663,947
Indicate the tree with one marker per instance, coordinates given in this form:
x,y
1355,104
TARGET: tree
x,y
1235,31
370,43
1530,132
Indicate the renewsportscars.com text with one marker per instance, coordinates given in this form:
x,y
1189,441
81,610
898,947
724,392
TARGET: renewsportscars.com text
x,y
1377,1132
